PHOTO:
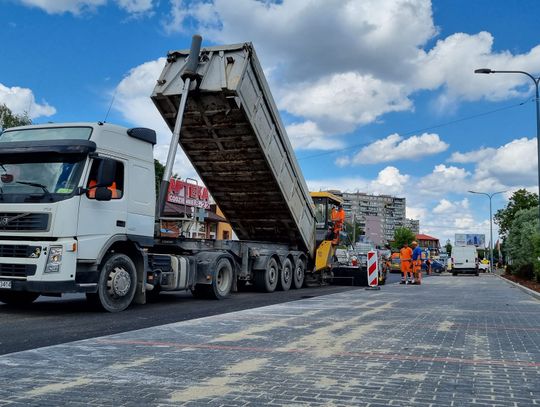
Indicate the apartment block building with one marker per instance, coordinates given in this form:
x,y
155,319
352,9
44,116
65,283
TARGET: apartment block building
x,y
413,225
372,210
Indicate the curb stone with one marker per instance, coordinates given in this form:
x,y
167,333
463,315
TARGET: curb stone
x,y
527,290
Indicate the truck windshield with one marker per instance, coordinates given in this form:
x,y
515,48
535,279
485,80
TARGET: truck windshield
x,y
49,133
39,181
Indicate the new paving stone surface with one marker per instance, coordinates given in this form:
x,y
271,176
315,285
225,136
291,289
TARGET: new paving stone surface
x,y
454,341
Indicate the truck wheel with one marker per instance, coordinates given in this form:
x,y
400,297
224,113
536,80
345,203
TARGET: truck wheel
x,y
299,274
454,273
285,276
17,297
222,282
117,283
266,280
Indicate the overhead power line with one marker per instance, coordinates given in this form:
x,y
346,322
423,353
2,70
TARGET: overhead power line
x,y
435,126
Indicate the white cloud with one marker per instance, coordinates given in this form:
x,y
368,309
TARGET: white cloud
x,y
307,135
136,6
343,101
416,212
77,7
452,61
344,63
513,164
389,181
472,156
133,102
395,147
22,100
444,179
64,6
445,206
309,39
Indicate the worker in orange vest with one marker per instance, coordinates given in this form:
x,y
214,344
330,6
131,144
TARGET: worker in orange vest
x,y
92,190
405,258
338,219
417,263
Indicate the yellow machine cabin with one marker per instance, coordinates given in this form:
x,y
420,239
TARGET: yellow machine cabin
x,y
330,219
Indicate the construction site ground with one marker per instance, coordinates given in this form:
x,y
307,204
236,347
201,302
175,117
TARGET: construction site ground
x,y
453,341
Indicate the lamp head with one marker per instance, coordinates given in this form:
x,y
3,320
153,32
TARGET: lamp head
x,y
483,70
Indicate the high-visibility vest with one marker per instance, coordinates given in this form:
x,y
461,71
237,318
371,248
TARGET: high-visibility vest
x,y
92,190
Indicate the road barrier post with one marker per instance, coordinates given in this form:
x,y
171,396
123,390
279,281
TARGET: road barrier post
x,y
373,271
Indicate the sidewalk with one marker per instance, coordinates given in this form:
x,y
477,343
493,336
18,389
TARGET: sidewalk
x,y
456,341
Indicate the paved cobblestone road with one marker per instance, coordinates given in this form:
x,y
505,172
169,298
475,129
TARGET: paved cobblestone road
x,y
454,341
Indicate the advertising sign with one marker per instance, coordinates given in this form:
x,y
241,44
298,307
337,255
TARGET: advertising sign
x,y
184,193
470,239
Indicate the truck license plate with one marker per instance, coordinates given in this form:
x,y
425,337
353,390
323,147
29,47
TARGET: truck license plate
x,y
5,284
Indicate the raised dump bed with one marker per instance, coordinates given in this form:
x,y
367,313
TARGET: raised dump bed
x,y
233,135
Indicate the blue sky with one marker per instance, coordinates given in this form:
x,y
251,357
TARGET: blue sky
x,y
378,95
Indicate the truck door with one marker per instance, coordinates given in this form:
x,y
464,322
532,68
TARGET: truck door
x,y
101,221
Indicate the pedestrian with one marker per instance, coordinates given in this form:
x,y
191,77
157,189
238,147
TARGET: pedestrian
x,y
428,267
416,263
405,258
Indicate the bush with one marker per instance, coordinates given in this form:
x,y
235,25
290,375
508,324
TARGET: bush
x,y
523,244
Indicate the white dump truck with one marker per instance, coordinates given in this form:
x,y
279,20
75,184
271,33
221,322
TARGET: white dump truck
x,y
78,210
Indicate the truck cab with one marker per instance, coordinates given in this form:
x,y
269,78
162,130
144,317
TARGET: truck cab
x,y
71,196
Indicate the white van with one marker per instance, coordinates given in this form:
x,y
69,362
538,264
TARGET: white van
x,y
464,260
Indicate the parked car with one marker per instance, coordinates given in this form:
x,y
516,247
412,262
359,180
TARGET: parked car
x,y
436,266
395,265
484,266
464,260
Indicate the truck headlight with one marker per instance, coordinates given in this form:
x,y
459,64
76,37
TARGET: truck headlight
x,y
54,260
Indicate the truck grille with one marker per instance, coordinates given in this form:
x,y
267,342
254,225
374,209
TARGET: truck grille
x,y
17,270
24,221
19,250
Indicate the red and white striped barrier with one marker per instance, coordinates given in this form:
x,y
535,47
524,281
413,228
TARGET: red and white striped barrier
x,y
372,269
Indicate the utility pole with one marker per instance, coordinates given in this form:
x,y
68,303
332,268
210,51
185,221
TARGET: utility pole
x,y
535,81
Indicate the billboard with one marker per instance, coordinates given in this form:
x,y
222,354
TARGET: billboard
x,y
183,193
470,239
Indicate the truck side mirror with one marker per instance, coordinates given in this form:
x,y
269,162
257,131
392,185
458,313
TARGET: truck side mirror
x,y
103,194
106,173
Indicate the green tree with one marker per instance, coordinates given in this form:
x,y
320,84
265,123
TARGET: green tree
x,y
448,247
522,245
159,169
520,200
9,119
350,232
402,236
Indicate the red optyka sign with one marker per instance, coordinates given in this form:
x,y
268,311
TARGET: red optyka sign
x,y
184,193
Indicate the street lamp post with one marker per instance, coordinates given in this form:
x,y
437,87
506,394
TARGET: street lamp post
x,y
490,224
536,81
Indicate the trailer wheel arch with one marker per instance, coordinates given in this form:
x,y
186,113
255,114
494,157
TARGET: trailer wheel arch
x,y
207,274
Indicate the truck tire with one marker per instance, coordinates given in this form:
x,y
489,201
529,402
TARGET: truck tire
x,y
117,283
223,280
266,280
299,274
17,297
285,276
